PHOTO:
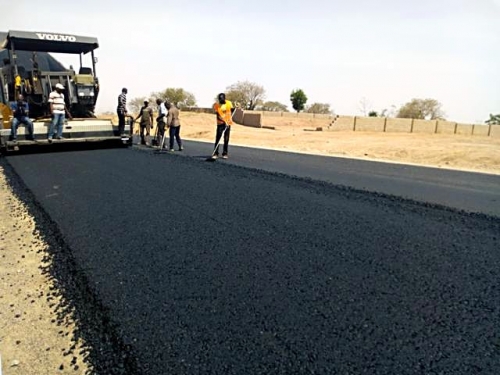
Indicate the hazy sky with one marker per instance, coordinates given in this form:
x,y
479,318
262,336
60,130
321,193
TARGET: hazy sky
x,y
338,52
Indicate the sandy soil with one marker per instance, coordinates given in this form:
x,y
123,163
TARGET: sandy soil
x,y
436,150
34,337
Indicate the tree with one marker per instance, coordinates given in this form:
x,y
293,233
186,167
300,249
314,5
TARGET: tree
x,y
424,109
135,104
322,108
493,120
273,107
298,99
365,106
248,94
382,113
180,97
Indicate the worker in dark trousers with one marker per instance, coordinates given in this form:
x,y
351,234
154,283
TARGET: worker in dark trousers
x,y
20,110
146,115
121,110
224,110
174,126
160,120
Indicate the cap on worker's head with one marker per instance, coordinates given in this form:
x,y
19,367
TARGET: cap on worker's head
x,y
124,89
146,101
222,96
59,86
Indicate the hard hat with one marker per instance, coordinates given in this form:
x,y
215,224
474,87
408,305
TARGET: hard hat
x,y
59,86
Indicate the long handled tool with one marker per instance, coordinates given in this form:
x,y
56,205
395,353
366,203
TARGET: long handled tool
x,y
154,141
162,144
212,157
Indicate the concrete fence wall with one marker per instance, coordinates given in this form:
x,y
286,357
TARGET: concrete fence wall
x,y
269,113
402,125
398,125
368,124
247,118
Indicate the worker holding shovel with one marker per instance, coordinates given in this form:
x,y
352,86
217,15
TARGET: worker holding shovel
x,y
146,116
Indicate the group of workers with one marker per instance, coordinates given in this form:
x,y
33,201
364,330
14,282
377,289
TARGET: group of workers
x,y
168,117
58,110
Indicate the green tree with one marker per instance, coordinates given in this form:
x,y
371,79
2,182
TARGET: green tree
x,y
135,104
273,107
322,108
425,109
180,97
247,94
382,113
298,99
493,120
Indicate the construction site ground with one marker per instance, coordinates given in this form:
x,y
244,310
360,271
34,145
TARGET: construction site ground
x,y
470,153
37,333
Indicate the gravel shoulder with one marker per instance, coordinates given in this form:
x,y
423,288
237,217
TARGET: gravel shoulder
x,y
49,321
34,337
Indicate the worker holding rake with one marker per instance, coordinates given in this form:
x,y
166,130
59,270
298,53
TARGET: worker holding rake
x,y
224,110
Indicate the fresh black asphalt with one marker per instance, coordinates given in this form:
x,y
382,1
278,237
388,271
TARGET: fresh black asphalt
x,y
212,268
472,192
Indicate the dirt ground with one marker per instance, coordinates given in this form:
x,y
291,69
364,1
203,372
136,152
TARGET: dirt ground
x,y
33,337
461,152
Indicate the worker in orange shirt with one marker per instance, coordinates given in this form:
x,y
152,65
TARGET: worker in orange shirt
x,y
223,109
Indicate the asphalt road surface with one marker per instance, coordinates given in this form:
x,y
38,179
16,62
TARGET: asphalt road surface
x,y
212,268
472,192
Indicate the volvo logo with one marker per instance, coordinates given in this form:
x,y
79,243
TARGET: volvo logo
x,y
56,37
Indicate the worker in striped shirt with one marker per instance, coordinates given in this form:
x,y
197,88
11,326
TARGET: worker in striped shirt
x,y
121,110
58,110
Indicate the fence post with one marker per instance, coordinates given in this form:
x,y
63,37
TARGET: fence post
x,y
489,130
473,127
385,123
456,125
412,121
354,127
436,128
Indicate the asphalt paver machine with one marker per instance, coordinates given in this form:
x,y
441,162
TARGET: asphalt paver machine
x,y
21,72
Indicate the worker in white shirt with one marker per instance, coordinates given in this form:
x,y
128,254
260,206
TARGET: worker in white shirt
x,y
161,120
58,110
